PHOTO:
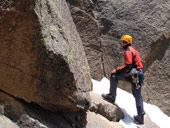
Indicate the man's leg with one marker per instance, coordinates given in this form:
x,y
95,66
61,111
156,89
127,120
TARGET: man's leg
x,y
139,104
113,86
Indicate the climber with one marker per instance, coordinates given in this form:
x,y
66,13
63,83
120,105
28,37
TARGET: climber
x,y
132,64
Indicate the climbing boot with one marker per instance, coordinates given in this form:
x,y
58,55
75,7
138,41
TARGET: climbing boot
x,y
139,119
109,97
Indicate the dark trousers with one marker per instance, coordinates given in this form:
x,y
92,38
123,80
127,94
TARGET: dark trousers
x,y
136,92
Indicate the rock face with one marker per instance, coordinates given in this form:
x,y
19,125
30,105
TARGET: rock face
x,y
42,59
88,29
157,75
148,23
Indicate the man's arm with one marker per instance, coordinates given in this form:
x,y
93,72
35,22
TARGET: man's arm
x,y
124,68
128,63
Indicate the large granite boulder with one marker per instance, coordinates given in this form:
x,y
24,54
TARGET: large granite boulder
x,y
42,59
148,23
